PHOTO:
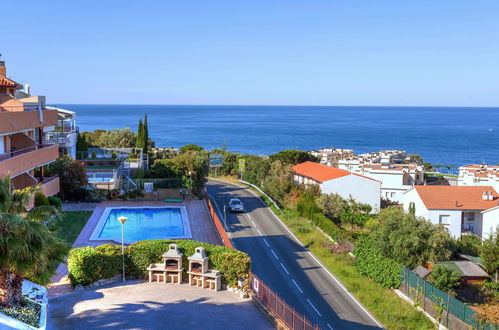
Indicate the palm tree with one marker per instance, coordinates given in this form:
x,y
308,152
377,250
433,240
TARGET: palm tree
x,y
27,244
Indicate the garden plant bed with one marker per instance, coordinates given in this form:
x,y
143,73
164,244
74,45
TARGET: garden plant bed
x,y
28,312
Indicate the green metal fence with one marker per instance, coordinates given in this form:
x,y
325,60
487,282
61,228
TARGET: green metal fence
x,y
439,298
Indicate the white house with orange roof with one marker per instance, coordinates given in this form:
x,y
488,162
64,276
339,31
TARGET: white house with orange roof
x,y
479,175
335,181
461,209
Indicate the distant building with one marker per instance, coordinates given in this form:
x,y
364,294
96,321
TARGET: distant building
x,y
462,210
331,156
388,167
335,181
65,132
479,175
24,120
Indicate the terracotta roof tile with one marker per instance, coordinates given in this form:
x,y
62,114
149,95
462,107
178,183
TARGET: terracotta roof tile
x,y
321,173
6,82
456,197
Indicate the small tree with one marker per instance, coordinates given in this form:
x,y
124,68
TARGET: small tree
x,y
293,157
444,278
190,148
332,205
72,177
489,253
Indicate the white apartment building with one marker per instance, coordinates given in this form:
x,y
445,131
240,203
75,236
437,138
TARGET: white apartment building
x,y
479,175
335,181
462,210
65,132
396,178
331,156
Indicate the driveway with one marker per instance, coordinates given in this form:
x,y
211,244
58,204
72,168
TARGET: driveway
x,y
143,305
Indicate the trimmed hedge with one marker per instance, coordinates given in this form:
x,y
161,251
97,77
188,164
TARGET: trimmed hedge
x,y
87,264
372,264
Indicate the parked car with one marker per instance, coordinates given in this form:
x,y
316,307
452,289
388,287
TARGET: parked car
x,y
235,205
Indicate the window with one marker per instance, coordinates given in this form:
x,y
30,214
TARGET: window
x,y
471,216
392,194
444,219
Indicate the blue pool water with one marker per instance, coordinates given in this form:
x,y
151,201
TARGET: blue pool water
x,y
142,224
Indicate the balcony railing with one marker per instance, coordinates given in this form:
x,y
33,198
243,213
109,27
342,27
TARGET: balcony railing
x,y
20,151
24,107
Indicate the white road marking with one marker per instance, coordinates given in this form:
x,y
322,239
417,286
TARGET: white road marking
x,y
259,232
267,243
284,268
249,216
308,252
297,286
315,309
254,224
329,326
275,255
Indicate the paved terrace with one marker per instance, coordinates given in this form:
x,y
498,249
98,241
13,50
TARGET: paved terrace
x,y
143,305
202,229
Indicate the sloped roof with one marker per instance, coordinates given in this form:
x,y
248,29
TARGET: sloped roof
x,y
421,271
6,82
456,197
322,173
464,268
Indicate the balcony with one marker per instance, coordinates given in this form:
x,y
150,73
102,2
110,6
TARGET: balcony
x,y
22,160
50,186
13,121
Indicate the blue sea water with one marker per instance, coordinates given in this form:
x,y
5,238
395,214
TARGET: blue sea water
x,y
441,135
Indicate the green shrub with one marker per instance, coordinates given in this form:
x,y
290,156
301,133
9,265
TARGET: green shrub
x,y
94,155
87,265
372,264
55,201
41,199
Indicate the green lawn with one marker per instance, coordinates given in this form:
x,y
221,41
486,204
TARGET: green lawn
x,y
384,304
71,225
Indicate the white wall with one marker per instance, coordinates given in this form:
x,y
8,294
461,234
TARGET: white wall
x,y
363,190
454,219
490,221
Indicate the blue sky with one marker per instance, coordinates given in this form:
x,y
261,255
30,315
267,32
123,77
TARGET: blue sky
x,y
330,52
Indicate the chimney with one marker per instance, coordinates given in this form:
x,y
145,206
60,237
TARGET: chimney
x,y
27,89
3,69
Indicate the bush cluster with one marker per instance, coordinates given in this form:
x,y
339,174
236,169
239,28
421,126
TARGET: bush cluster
x,y
41,199
87,264
372,264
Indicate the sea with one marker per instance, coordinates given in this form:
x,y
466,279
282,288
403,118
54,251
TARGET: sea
x,y
441,135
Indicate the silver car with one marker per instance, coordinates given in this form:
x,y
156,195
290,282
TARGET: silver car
x,y
235,205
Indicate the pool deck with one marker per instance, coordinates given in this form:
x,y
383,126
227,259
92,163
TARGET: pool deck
x,y
202,229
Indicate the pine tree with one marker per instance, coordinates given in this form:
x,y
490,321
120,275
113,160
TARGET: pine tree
x,y
145,135
140,134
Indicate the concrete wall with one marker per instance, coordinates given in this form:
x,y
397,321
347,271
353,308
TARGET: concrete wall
x,y
490,221
29,160
361,189
50,187
23,120
453,223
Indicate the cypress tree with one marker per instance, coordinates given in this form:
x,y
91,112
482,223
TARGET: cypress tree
x,y
145,134
140,134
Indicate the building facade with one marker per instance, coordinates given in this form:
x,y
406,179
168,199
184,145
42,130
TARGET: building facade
x,y
23,151
335,181
479,175
388,167
331,156
65,132
462,210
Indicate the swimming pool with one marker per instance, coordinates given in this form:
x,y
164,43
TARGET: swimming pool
x,y
143,223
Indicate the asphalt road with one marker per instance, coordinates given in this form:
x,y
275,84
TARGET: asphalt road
x,y
280,261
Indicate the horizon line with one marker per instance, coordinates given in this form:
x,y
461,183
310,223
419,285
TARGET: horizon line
x,y
281,105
